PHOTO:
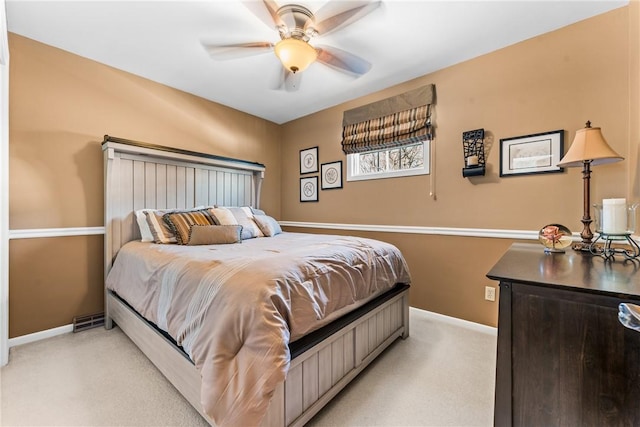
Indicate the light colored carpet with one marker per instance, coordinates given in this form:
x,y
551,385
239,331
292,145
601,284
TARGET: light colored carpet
x,y
442,375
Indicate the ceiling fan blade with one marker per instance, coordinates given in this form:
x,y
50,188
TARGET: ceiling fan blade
x,y
265,10
342,60
344,18
238,50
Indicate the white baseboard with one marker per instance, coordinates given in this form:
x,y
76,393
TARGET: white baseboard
x,y
37,336
459,322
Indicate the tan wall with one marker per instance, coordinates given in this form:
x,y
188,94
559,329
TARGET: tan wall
x,y
555,81
61,105
52,280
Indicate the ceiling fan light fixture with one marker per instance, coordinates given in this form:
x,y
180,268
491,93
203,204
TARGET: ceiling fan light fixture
x,y
296,55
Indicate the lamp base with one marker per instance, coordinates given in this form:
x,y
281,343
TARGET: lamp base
x,y
582,247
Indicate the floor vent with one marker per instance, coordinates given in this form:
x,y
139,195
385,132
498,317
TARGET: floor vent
x,y
80,323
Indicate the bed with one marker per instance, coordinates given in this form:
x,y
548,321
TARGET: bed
x,y
319,359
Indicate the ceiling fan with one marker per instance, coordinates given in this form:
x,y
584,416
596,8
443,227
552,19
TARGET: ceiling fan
x,y
297,26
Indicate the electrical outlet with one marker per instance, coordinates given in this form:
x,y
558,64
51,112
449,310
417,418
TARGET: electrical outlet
x,y
489,293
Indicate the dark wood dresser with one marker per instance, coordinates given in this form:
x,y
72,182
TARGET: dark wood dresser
x,y
563,357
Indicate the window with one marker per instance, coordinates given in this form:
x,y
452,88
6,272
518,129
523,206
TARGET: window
x,y
407,160
390,137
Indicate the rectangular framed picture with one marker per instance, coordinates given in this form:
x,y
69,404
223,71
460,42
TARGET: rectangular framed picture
x,y
331,175
529,154
309,189
309,160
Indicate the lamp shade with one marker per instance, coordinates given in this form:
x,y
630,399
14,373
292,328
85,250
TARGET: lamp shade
x,y
589,146
296,55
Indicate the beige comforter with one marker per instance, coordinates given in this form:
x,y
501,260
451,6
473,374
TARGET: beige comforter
x,y
235,308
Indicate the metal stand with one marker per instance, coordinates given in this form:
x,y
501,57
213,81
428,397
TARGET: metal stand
x,y
608,252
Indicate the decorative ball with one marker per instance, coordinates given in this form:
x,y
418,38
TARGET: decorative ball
x,y
555,237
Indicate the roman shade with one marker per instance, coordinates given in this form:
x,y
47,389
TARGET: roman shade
x,y
393,122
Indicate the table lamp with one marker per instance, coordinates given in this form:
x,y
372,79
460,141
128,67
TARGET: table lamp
x,y
588,148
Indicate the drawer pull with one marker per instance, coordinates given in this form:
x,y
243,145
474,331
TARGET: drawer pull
x,y
629,315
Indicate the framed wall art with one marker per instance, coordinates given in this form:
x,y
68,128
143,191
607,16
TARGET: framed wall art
x,y
331,175
529,154
309,189
309,160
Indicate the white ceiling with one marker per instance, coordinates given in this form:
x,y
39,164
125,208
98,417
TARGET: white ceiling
x,y
161,41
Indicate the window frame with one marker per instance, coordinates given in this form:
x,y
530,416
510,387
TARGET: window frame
x,y
352,164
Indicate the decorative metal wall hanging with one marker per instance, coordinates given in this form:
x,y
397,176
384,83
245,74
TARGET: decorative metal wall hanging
x,y
473,146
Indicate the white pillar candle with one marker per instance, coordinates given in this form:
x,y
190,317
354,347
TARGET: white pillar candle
x,y
472,160
614,216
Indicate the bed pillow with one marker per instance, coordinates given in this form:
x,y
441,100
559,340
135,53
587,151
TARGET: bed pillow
x,y
153,228
237,216
214,234
180,223
253,210
268,225
143,225
160,230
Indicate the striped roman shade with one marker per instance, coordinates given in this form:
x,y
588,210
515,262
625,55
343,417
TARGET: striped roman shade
x,y
393,122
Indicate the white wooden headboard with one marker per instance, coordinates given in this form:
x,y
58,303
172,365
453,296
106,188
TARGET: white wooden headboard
x,y
138,175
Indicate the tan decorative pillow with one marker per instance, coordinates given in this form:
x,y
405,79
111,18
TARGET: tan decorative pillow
x,y
268,225
214,234
181,222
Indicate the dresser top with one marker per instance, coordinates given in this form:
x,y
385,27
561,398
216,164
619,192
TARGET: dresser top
x,y
528,263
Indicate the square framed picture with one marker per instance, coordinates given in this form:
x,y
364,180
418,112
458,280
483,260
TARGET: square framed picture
x,y
309,189
309,160
331,175
529,154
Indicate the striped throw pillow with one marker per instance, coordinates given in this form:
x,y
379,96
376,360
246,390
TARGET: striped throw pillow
x,y
181,222
159,229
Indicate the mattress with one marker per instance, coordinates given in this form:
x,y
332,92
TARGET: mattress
x,y
235,308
